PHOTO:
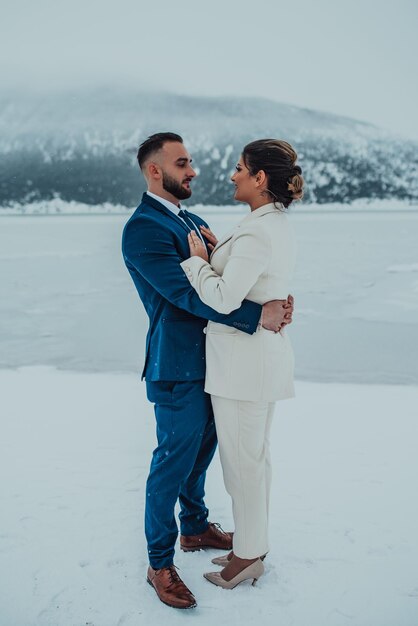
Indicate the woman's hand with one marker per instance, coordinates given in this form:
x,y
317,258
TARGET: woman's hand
x,y
208,234
196,245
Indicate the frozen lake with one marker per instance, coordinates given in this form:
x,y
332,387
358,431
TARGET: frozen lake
x,y
67,300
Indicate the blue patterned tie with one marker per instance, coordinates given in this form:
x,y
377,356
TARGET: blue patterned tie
x,y
191,224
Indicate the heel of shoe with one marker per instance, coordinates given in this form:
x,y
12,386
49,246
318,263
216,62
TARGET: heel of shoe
x,y
252,572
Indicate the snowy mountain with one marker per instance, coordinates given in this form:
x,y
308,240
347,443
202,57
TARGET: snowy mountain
x,y
82,147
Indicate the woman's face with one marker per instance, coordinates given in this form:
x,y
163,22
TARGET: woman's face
x,y
245,184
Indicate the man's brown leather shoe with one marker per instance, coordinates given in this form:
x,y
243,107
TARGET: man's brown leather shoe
x,y
213,537
170,588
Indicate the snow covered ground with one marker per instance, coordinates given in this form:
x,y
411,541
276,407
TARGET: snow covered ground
x,y
75,449
77,433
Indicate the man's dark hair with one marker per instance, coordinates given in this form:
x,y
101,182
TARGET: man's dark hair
x,y
154,143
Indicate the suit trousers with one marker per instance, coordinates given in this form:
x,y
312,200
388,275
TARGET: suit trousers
x,y
186,439
243,430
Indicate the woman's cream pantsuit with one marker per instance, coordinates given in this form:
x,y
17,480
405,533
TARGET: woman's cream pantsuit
x,y
246,374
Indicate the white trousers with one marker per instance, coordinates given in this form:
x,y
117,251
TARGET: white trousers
x,y
243,430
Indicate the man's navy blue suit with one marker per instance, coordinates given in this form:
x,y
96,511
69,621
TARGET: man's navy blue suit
x,y
154,243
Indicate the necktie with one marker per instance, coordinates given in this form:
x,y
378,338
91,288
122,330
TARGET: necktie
x,y
190,223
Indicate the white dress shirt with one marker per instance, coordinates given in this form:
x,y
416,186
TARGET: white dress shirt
x,y
174,208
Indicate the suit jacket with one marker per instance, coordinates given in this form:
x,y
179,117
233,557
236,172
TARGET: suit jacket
x,y
154,242
255,261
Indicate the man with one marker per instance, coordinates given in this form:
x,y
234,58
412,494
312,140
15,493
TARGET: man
x,y
154,243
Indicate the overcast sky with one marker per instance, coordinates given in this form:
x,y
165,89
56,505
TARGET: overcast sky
x,y
356,58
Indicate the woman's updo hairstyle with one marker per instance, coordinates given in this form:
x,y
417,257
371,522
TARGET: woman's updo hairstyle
x,y
278,160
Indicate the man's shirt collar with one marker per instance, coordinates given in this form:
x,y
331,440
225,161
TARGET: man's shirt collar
x,y
169,205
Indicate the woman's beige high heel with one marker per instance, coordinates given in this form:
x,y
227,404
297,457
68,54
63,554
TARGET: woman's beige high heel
x,y
254,571
225,558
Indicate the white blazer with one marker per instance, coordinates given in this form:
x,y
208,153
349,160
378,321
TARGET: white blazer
x,y
254,262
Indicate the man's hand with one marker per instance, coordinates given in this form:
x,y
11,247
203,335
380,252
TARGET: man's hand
x,y
277,314
289,306
197,247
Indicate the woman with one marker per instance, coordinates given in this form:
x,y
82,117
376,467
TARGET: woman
x,y
246,374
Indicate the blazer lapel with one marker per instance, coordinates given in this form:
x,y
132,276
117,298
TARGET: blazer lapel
x,y
160,207
267,208
222,241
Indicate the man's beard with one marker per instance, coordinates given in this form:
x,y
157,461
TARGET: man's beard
x,y
174,187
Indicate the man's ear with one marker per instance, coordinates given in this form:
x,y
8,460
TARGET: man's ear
x,y
153,171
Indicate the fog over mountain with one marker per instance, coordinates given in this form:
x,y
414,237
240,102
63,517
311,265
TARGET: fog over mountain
x,y
82,147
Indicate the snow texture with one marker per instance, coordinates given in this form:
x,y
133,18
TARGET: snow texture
x,y
75,451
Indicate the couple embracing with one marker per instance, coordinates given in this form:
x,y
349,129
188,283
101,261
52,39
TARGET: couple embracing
x,y
217,353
